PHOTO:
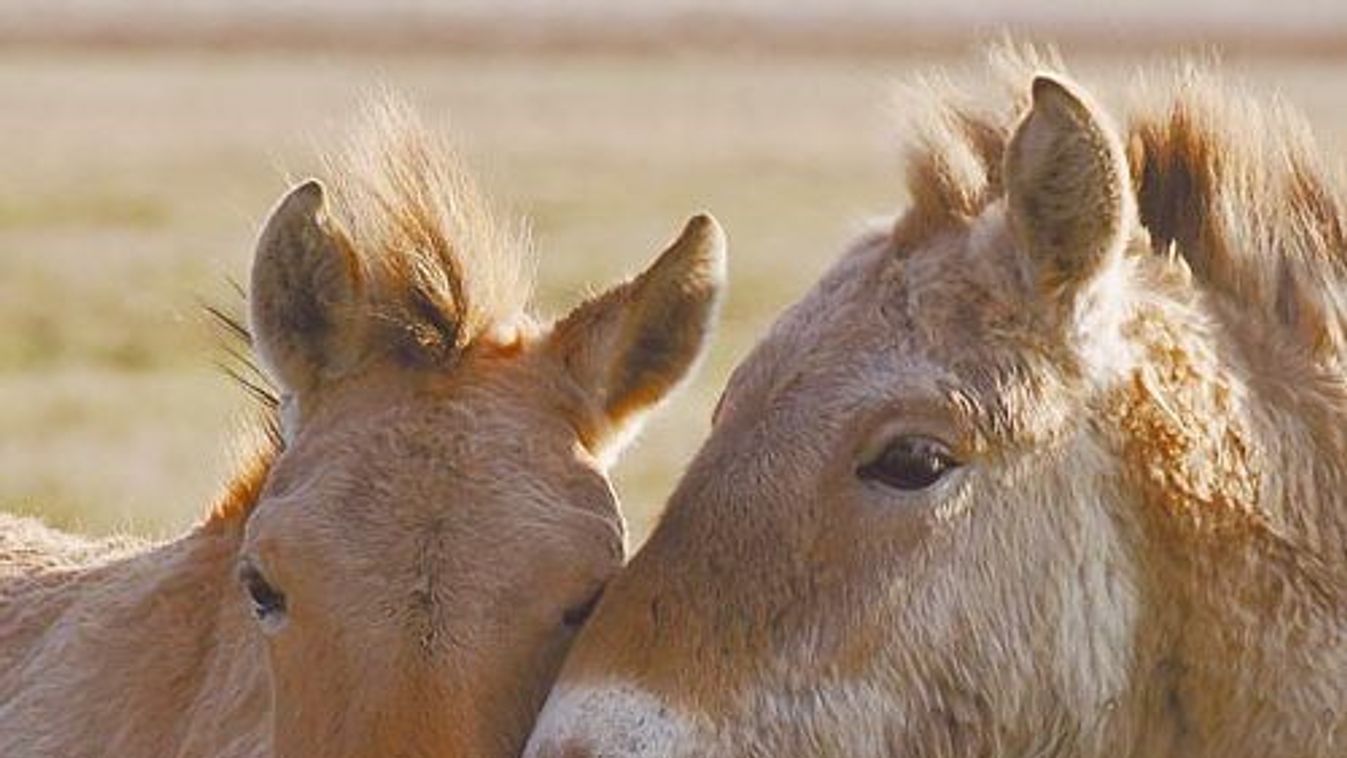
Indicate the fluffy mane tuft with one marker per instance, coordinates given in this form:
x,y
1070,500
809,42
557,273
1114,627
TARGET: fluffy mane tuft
x,y
1235,186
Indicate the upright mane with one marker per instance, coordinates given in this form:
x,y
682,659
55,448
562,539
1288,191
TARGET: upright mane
x,y
1235,186
440,267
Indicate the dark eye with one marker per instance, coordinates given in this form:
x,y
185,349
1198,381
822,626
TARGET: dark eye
x,y
577,615
910,463
268,602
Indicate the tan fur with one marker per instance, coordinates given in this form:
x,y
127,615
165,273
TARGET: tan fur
x,y
444,267
1144,551
1066,183
245,488
425,495
634,341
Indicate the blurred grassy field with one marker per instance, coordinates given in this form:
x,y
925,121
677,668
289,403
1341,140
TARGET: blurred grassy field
x,y
132,182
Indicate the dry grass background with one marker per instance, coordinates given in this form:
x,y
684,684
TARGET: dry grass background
x,y
132,181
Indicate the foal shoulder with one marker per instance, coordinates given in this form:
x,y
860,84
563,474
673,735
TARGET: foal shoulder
x,y
29,546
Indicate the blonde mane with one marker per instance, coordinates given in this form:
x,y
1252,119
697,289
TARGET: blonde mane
x,y
440,266
1237,188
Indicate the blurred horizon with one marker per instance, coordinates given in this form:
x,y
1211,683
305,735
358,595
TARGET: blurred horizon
x,y
145,141
871,27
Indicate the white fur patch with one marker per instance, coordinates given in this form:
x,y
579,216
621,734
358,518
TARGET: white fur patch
x,y
614,720
1097,330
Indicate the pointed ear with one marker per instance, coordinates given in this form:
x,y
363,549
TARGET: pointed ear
x,y
631,345
304,293
1068,191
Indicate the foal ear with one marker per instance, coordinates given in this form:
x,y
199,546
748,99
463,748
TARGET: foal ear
x,y
303,295
1067,187
630,346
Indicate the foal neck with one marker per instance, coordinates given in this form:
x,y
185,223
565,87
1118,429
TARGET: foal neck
x,y
148,653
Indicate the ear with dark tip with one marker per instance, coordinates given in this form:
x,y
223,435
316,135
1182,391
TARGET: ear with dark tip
x,y
303,295
630,346
1067,186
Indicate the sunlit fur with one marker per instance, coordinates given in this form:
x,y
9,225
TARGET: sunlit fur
x,y
432,504
1144,552
449,269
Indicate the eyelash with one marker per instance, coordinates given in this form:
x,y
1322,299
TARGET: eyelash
x,y
267,601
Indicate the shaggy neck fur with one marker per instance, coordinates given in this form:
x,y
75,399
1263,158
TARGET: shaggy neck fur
x,y
1259,397
1241,530
1232,429
130,631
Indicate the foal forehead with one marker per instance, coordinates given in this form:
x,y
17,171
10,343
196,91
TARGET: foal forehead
x,y
432,447
433,474
467,446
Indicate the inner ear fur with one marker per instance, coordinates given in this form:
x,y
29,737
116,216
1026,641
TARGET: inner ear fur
x,y
304,294
1068,193
630,346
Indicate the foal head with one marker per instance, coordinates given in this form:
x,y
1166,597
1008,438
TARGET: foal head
x,y
439,520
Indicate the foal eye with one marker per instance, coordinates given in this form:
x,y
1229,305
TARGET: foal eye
x,y
577,615
268,602
910,463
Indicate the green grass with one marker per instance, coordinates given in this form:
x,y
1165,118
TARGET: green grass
x,y
133,182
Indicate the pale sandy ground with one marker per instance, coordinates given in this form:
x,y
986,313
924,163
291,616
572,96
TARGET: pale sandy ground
x,y
132,180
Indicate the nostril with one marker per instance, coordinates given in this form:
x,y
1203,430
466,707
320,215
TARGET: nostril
x,y
579,614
